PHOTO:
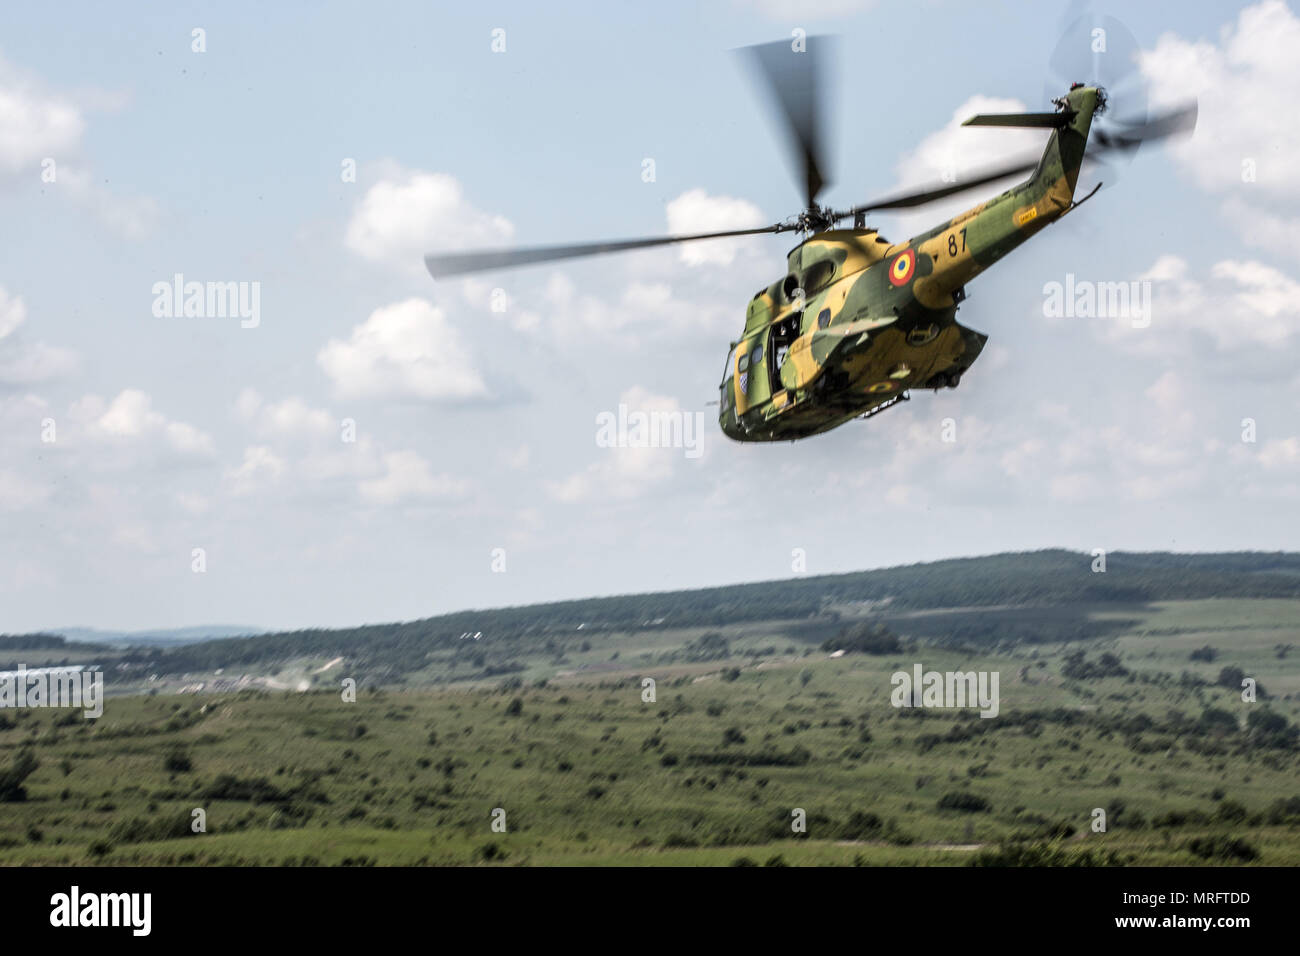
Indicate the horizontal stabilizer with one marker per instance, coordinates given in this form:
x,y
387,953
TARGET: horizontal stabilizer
x,y
1038,120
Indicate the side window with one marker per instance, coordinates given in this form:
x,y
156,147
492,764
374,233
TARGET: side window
x,y
756,355
744,363
824,318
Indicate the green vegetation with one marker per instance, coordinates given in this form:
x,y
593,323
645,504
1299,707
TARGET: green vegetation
x,y
1036,597
1105,708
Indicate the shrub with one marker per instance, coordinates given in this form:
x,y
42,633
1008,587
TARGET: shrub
x,y
964,801
11,780
1230,811
862,826
168,826
177,761
1222,848
255,789
1042,854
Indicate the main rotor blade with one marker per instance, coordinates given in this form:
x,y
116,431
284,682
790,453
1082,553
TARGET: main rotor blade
x,y
921,197
792,74
441,265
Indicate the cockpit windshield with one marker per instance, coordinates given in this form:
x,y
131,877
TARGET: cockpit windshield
x,y
731,365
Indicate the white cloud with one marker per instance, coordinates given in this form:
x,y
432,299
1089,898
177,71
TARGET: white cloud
x,y
132,217
33,124
308,443
23,363
131,416
410,212
696,211
12,312
1240,304
1282,453
624,472
290,417
409,477
653,305
187,439
1244,142
1264,227
37,125
37,362
1245,87
955,153
405,349
261,467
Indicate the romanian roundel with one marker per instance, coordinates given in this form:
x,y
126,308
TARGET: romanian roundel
x,y
902,268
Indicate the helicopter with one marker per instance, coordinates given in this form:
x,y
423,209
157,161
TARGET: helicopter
x,y
858,321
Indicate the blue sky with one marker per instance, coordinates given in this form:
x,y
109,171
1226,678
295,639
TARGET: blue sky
x,y
476,429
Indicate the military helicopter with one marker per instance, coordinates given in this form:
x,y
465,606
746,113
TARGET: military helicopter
x,y
857,321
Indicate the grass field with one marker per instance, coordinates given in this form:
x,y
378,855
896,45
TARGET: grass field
x,y
710,772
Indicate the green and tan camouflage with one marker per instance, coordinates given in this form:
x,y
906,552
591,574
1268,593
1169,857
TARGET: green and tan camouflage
x,y
858,321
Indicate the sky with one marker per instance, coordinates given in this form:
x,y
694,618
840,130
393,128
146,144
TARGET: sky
x,y
370,445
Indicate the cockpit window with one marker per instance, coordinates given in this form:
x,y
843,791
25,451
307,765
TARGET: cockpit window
x,y
731,364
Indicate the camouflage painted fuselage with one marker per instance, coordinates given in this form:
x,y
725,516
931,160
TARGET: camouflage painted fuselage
x,y
859,321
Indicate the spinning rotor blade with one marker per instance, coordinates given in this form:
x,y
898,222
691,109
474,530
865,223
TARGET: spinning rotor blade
x,y
441,265
1101,51
793,79
1172,123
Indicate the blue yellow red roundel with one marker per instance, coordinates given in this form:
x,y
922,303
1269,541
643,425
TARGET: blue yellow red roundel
x,y
902,268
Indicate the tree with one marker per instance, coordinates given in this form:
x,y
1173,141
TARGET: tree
x,y
865,637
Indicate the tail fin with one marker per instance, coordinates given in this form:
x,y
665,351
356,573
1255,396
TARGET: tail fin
x,y
1058,170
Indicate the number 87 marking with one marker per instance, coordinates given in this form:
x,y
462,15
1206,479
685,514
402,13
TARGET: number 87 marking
x,y
952,243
